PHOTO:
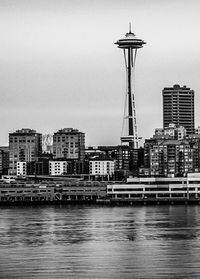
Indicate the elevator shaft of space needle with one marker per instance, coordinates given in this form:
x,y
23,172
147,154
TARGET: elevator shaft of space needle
x,y
130,44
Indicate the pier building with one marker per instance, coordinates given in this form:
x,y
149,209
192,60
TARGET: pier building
x,y
51,192
132,191
156,189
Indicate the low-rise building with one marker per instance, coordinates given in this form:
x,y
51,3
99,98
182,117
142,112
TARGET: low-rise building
x,y
102,167
171,132
58,167
4,160
21,168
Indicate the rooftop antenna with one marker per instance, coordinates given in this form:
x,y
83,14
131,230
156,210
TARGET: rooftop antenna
x,y
130,27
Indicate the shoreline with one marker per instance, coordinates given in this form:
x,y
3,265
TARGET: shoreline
x,y
105,202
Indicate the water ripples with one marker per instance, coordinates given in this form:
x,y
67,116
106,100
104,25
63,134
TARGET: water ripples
x,y
100,242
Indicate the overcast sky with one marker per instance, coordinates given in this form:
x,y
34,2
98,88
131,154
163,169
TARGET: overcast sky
x,y
59,66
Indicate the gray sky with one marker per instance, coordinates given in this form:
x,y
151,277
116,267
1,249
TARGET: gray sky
x,y
59,66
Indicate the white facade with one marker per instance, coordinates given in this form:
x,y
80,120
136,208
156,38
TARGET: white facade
x,y
57,167
197,130
181,133
172,131
8,178
175,132
21,169
47,143
157,188
102,167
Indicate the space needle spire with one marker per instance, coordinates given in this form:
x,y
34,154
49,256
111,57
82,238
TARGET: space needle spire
x,y
130,44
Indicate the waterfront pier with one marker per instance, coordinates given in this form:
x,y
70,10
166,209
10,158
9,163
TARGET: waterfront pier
x,y
136,190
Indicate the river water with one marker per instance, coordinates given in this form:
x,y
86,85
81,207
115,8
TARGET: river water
x,y
100,242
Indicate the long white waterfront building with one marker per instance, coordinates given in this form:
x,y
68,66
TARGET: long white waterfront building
x,y
156,188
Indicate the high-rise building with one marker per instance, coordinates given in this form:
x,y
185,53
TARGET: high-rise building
x,y
178,107
25,145
69,143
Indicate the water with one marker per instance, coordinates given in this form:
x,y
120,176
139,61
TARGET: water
x,y
100,242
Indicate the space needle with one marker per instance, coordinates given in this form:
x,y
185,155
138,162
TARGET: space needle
x,y
130,45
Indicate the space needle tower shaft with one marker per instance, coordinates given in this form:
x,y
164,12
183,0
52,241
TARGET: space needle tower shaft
x,y
130,44
129,92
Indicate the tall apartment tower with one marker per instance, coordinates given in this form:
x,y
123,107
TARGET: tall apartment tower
x,y
178,107
25,145
69,143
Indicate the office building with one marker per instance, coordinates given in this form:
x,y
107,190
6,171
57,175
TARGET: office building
x,y
69,143
25,145
178,107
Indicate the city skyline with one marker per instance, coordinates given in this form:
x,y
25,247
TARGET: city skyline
x,y
60,67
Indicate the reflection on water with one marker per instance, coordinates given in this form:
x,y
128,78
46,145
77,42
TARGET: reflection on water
x,y
100,242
